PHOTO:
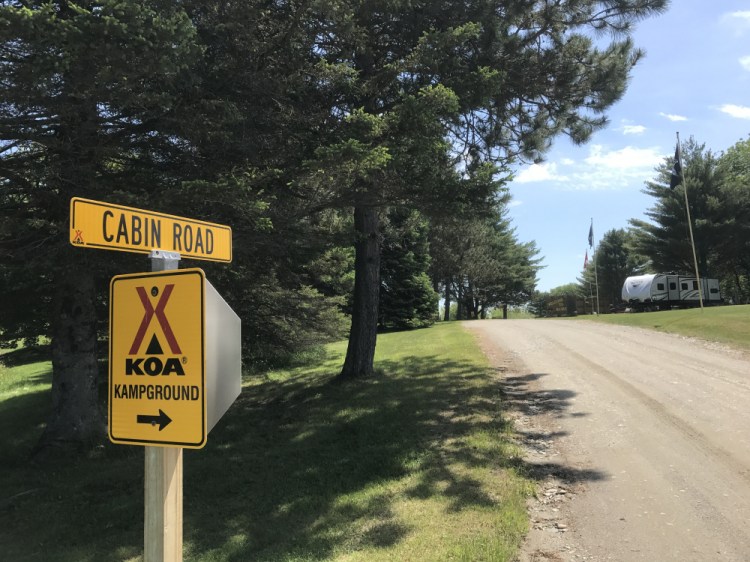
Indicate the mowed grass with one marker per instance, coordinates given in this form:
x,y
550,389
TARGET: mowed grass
x,y
25,381
723,324
416,464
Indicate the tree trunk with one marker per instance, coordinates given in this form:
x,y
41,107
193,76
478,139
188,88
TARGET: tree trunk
x,y
76,421
360,353
745,286
447,313
460,302
471,303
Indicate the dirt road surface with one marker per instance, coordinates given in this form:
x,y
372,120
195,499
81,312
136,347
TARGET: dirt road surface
x,y
640,440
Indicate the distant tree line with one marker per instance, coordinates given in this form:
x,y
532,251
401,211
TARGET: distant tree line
x,y
359,150
718,190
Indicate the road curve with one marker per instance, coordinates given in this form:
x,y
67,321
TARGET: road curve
x,y
651,431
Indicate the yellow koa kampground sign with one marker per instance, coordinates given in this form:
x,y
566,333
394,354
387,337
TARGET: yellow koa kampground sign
x,y
157,374
94,224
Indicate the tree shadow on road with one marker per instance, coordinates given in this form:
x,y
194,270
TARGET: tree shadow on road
x,y
522,395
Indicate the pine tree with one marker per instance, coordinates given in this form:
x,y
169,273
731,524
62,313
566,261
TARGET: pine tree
x,y
89,91
733,247
489,80
665,239
407,299
615,260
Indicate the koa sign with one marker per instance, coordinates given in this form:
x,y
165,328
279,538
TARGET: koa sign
x,y
157,359
174,358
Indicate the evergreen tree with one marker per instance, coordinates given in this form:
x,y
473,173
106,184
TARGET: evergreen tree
x,y
559,301
172,108
89,103
407,299
666,239
480,263
615,260
262,105
733,248
506,275
497,80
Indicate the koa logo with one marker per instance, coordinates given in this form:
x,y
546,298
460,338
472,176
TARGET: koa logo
x,y
153,366
154,363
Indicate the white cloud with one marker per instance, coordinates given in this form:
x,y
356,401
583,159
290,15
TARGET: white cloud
x,y
737,111
633,129
602,169
539,172
673,117
606,169
515,203
739,20
745,62
629,128
627,158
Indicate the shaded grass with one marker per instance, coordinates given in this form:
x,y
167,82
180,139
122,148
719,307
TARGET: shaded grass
x,y
723,324
25,381
415,464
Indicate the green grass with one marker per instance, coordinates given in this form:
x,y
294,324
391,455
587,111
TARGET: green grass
x,y
416,464
25,381
723,324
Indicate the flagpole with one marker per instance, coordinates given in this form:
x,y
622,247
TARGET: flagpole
x,y
585,279
596,267
690,222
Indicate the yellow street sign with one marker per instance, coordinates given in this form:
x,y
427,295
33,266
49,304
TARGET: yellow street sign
x,y
157,382
94,224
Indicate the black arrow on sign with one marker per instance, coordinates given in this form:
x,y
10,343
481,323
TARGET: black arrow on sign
x,y
163,420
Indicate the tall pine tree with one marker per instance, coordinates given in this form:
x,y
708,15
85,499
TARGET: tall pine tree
x,y
665,239
495,79
407,298
89,103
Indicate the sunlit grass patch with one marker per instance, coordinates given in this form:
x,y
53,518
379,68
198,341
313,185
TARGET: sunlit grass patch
x,y
415,464
723,324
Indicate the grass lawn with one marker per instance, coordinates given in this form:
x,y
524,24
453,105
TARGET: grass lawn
x,y
724,324
416,464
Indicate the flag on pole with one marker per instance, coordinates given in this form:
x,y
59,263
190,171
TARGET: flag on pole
x,y
591,235
675,177
586,260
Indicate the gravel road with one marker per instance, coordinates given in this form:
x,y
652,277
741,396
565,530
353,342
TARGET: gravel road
x,y
640,440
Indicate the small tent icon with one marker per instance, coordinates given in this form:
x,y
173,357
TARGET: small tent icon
x,y
154,348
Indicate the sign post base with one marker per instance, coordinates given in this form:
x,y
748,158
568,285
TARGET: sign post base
x,y
162,530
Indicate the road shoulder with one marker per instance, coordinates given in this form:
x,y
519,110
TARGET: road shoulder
x,y
551,535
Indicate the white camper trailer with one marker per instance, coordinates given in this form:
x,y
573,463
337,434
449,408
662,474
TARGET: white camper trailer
x,y
663,291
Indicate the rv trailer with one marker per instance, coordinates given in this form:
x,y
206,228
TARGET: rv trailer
x,y
663,291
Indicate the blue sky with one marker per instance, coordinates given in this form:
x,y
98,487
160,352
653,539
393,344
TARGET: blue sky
x,y
695,79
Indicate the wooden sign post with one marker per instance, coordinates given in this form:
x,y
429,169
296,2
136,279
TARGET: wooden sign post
x,y
162,526
162,482
175,362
